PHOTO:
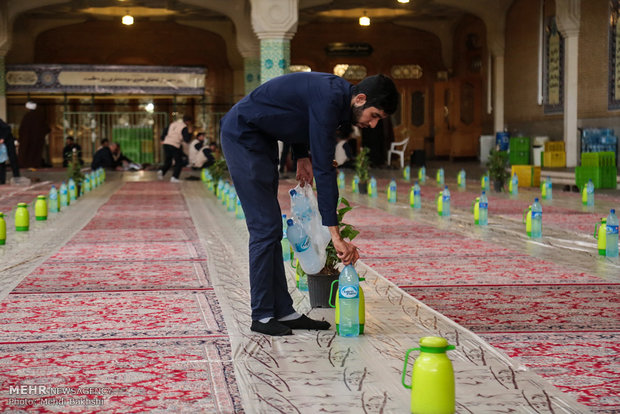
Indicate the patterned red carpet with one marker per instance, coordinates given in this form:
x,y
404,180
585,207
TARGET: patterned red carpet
x,y
563,324
122,319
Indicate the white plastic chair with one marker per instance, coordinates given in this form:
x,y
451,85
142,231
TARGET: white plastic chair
x,y
398,148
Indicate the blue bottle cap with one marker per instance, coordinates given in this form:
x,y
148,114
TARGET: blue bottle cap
x,y
483,192
289,222
536,200
292,192
612,211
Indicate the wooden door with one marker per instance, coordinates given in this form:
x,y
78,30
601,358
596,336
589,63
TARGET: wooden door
x,y
458,116
412,119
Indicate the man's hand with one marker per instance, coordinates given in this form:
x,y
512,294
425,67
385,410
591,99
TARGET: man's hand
x,y
304,171
347,252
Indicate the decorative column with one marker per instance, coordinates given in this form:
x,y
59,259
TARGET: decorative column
x,y
568,16
275,23
497,50
251,73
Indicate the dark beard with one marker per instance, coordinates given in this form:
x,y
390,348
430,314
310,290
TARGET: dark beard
x,y
356,114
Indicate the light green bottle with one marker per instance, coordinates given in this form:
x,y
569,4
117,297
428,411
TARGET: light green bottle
x,y
2,230
22,217
40,208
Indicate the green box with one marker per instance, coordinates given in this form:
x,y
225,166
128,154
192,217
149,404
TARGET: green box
x,y
519,157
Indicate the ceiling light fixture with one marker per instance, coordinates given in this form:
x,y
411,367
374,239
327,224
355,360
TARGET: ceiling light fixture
x,y
127,19
403,1
364,20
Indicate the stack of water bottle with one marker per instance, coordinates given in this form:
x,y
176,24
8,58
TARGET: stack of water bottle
x,y
305,232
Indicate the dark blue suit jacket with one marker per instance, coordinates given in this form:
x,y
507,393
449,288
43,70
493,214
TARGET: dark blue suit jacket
x,y
304,109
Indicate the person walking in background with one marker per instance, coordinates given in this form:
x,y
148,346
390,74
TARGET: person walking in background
x,y
178,132
67,152
6,138
304,110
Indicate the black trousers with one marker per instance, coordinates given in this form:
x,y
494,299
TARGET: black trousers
x,y
254,171
172,153
9,142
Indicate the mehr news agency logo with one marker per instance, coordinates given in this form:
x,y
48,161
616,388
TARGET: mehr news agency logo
x,y
30,395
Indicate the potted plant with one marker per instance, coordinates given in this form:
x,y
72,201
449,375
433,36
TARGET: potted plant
x,y
319,285
362,166
217,171
497,165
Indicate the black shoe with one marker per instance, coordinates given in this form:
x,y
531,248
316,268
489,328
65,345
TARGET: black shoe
x,y
273,328
575,189
303,322
566,188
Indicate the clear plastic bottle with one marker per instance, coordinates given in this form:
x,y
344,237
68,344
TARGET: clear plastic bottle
x,y
483,214
461,179
422,174
440,177
546,189
446,202
349,302
64,196
415,199
341,180
304,251
54,205
372,189
302,278
590,193
355,184
72,189
536,219
392,191
514,185
484,182
286,248
300,205
239,210
611,249
407,173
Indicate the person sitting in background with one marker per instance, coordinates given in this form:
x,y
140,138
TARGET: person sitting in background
x,y
103,156
200,155
67,152
120,161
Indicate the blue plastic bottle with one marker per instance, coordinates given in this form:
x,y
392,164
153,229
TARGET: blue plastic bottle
x,y
308,257
72,189
546,189
372,190
611,250
349,302
286,248
484,182
483,212
536,219
392,192
355,184
446,202
53,200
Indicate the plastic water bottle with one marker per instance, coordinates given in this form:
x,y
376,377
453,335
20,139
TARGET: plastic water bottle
x,y
407,173
588,196
483,214
286,248
461,179
349,301
415,198
391,193
355,184
301,278
72,189
475,208
54,206
304,251
2,230
372,188
86,185
440,177
341,180
300,205
536,219
239,210
611,249
446,202
546,189
484,182
514,185
64,197
422,174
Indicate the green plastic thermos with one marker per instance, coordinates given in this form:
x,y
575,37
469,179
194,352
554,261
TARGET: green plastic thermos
x,y
600,233
2,230
440,203
527,219
432,378
475,208
362,308
40,208
22,217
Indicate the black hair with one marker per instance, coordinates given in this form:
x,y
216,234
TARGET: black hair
x,y
380,92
